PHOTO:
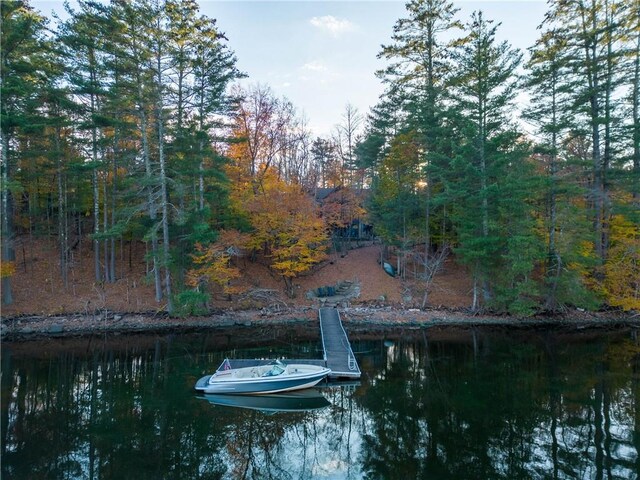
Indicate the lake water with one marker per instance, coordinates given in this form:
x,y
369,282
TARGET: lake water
x,y
446,404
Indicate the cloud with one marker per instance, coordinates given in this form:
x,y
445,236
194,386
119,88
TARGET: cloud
x,y
315,66
334,26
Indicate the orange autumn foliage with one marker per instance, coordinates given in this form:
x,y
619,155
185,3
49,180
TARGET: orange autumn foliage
x,y
342,207
214,262
287,227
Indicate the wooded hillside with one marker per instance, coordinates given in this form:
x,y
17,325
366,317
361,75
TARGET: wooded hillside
x,y
124,126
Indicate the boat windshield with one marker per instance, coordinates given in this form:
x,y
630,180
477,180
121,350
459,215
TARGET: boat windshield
x,y
276,369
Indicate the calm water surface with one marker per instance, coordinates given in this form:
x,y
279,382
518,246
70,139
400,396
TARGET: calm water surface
x,y
430,405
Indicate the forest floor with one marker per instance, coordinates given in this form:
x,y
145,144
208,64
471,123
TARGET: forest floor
x,y
38,288
43,305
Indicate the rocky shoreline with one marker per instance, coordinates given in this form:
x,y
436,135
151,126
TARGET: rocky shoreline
x,y
355,319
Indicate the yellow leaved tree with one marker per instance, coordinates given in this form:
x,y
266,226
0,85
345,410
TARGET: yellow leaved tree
x,y
7,269
622,270
287,228
213,262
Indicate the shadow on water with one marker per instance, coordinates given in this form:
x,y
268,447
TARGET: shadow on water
x,y
431,404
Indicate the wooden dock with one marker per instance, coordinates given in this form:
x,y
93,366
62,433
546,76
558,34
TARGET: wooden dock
x,y
337,350
338,355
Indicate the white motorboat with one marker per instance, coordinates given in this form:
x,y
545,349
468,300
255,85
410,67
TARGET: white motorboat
x,y
272,378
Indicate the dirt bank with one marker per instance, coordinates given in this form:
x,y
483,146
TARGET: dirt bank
x,y
38,288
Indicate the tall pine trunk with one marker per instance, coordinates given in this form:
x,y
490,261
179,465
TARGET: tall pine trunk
x,y
114,188
62,221
635,135
95,184
164,200
593,79
554,264
151,205
7,214
486,287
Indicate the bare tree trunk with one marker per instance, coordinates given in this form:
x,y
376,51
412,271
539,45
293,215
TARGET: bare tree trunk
x,y
105,228
96,191
201,182
7,214
474,305
486,289
635,99
96,226
62,224
427,227
164,200
151,206
143,103
607,154
432,265
593,79
114,188
553,260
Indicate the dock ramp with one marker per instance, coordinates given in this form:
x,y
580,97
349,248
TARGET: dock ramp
x,y
337,350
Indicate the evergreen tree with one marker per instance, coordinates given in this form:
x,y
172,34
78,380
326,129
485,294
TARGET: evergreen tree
x,y
396,203
134,40
383,122
550,111
23,73
632,54
213,71
592,29
420,68
488,182
83,38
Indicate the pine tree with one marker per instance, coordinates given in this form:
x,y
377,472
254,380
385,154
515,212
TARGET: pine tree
x,y
395,203
384,121
213,71
592,29
420,69
23,74
488,181
134,40
550,111
82,38
632,54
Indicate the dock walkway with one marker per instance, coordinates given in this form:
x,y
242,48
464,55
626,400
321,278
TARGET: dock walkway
x,y
338,355
337,350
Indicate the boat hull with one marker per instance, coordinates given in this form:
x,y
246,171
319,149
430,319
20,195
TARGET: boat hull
x,y
299,401
230,382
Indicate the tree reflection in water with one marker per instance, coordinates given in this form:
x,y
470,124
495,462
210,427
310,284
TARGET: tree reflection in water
x,y
480,405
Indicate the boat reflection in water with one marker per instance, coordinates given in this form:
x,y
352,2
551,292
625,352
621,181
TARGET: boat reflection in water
x,y
298,401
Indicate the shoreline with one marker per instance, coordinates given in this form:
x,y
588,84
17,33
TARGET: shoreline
x,y
355,319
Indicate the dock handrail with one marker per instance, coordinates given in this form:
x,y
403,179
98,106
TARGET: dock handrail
x,y
324,348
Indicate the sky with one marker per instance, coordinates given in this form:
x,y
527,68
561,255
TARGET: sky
x,y
321,55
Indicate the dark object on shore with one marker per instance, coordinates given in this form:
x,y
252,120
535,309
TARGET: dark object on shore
x,y
328,291
389,269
